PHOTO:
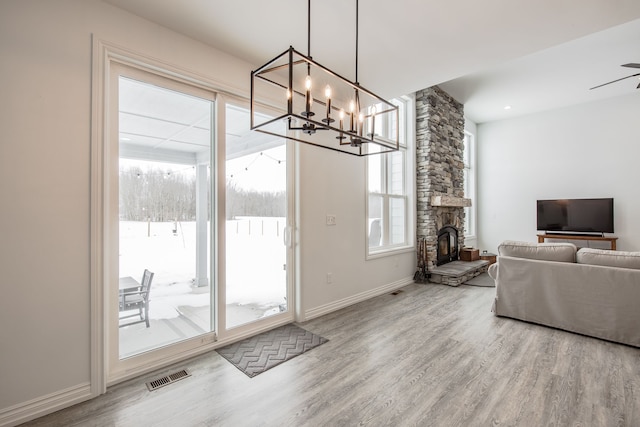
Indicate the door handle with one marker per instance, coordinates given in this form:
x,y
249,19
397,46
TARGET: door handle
x,y
286,236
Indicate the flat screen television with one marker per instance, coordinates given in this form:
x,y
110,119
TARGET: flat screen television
x,y
575,215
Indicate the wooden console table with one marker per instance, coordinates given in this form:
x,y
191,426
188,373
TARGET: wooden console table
x,y
611,240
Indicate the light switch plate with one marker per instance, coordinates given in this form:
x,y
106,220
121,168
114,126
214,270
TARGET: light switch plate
x,y
331,219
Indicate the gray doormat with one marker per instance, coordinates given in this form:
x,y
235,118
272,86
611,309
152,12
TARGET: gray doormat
x,y
259,353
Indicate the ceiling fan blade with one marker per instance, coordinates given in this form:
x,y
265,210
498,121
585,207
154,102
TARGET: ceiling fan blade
x,y
631,65
613,81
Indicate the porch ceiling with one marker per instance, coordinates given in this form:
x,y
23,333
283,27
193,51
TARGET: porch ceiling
x,y
163,125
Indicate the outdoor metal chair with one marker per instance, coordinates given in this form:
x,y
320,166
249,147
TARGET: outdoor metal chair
x,y
137,299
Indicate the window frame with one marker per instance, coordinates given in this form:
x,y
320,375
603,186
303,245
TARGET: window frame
x,y
407,146
469,160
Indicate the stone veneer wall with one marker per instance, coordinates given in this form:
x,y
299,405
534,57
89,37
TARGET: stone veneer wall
x,y
439,164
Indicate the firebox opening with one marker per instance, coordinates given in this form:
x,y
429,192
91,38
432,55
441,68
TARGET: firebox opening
x,y
447,247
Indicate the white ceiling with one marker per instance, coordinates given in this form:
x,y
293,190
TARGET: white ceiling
x,y
553,78
534,55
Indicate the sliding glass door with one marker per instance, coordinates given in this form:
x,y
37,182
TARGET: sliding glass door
x,y
161,267
198,240
257,231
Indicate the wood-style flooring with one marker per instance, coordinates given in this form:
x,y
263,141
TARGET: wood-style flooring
x,y
432,355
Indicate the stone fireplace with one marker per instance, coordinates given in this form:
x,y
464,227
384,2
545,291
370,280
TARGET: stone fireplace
x,y
440,175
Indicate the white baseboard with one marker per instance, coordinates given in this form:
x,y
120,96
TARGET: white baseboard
x,y
354,299
27,411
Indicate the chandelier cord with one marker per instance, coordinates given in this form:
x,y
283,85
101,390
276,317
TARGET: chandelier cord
x,y
309,28
357,42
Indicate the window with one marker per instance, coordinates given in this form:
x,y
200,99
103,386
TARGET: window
x,y
469,184
389,184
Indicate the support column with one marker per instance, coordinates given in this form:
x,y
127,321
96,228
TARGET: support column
x,y
202,223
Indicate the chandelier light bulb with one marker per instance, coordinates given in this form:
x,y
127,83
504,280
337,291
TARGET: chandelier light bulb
x,y
327,94
352,107
308,97
373,121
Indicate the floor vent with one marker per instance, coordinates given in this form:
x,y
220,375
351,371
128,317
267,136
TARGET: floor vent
x,y
399,291
166,380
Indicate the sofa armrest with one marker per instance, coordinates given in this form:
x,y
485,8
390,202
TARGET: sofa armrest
x,y
493,271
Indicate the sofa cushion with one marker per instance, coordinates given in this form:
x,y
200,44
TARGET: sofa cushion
x,y
609,258
561,252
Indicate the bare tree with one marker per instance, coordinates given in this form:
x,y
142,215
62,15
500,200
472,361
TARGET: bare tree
x,y
161,195
157,195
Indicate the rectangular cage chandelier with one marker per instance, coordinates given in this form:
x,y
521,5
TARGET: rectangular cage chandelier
x,y
322,108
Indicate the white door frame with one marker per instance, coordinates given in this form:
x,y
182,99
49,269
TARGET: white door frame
x,y
104,56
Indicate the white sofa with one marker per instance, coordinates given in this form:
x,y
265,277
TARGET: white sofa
x,y
591,291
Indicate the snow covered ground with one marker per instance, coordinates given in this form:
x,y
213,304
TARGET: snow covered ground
x,y
255,275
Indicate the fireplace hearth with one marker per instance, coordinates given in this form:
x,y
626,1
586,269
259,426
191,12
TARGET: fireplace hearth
x,y
447,245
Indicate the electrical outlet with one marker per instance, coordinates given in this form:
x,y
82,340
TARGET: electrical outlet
x,y
331,219
329,278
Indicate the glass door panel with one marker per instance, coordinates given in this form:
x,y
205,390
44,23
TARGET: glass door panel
x,y
256,222
165,141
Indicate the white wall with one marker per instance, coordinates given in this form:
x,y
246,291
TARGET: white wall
x,y
45,78
584,151
334,184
